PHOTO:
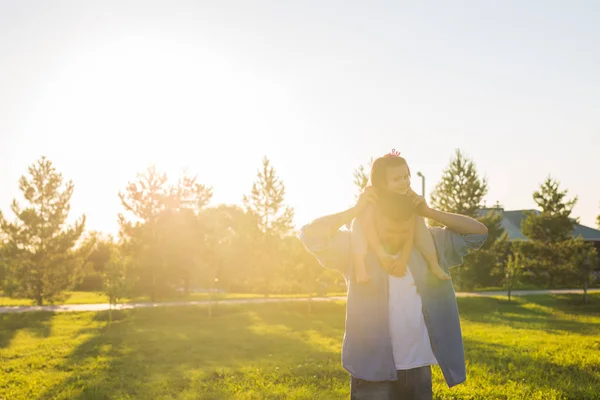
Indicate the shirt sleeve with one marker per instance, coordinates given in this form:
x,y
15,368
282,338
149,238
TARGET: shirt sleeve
x,y
452,247
332,252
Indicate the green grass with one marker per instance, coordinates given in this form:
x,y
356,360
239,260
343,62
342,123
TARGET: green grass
x,y
540,347
98,298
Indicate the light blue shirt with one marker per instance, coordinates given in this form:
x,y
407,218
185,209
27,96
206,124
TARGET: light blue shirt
x,y
367,348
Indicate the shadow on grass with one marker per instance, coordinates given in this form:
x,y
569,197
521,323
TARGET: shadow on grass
x,y
517,315
36,323
328,318
513,364
168,352
569,303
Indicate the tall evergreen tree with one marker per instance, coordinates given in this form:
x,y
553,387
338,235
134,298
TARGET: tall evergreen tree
x,y
43,253
554,223
267,199
552,200
460,190
551,250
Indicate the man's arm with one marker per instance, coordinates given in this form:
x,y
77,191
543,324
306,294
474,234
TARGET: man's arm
x,y
461,235
456,222
325,227
324,239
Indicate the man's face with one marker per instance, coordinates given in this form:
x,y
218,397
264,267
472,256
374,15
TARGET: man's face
x,y
392,233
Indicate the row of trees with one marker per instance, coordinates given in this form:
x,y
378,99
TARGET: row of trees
x,y
171,241
551,256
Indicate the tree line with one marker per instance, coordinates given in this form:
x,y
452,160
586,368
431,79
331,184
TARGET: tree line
x,y
171,241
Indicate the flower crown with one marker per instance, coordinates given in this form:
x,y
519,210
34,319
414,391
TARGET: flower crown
x,y
393,153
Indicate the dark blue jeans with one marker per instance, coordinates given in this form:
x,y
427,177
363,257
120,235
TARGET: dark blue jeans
x,y
412,384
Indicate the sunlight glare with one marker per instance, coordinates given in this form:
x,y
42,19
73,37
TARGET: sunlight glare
x,y
149,100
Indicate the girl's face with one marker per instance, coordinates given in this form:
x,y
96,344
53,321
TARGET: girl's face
x,y
398,179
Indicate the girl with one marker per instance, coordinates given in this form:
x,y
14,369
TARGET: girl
x,y
390,176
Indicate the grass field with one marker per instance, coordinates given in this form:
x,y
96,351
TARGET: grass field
x,y
99,298
540,347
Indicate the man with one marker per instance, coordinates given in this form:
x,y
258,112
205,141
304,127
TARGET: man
x,y
398,326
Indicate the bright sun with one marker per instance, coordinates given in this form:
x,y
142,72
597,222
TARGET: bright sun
x,y
130,102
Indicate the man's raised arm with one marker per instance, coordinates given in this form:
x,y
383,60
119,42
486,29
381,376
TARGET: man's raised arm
x,y
456,222
461,235
324,239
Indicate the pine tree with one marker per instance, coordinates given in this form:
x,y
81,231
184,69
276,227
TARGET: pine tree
x,y
551,250
552,200
189,194
554,223
460,190
42,246
266,200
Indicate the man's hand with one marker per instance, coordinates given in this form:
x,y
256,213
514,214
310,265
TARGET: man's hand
x,y
385,260
368,196
398,267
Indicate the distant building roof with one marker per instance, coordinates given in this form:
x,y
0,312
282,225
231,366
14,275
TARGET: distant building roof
x,y
511,222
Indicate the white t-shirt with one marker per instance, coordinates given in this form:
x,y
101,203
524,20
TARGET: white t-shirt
x,y
410,339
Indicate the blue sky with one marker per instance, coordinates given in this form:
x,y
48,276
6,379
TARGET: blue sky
x,y
104,89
